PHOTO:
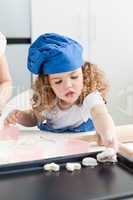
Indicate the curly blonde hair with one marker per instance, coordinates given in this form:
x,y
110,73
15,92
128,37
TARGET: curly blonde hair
x,y
44,98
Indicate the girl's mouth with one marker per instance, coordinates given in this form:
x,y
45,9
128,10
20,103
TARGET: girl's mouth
x,y
69,94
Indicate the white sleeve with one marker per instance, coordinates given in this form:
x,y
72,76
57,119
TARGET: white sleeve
x,y
2,43
89,102
92,100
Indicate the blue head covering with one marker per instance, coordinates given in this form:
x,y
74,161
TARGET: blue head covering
x,y
53,53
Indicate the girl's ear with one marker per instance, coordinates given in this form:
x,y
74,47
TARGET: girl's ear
x,y
48,80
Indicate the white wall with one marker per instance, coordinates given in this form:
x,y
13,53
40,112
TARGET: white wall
x,y
68,17
112,49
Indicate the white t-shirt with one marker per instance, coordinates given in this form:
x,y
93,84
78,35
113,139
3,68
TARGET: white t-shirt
x,y
75,115
2,43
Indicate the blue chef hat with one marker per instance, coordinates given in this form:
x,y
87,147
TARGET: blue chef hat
x,y
53,53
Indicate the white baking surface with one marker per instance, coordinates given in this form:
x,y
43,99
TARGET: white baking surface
x,y
35,145
129,145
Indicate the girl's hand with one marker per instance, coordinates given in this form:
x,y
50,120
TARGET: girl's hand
x,y
109,139
14,117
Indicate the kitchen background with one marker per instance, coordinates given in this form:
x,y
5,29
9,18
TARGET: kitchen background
x,y
105,29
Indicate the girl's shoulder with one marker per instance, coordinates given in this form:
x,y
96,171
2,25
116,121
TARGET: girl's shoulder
x,y
2,43
92,99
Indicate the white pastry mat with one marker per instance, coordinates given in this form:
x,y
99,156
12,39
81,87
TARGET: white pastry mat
x,y
35,145
129,146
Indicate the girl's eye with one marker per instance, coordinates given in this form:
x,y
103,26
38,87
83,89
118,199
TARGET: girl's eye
x,y
58,82
74,77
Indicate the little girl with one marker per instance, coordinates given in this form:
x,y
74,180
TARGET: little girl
x,y
69,94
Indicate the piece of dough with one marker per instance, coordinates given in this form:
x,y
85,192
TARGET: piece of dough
x,y
51,167
88,161
73,166
108,155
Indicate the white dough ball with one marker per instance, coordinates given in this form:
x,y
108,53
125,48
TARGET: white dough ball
x,y
73,166
108,155
51,167
88,161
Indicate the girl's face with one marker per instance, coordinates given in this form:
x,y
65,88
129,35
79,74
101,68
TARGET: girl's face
x,y
67,86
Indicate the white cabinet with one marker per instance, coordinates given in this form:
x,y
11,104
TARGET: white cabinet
x,y
15,24
17,59
15,18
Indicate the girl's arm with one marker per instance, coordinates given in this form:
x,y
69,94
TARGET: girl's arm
x,y
104,126
26,118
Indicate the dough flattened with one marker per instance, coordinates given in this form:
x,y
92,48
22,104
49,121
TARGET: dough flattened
x,y
51,167
108,155
89,161
73,166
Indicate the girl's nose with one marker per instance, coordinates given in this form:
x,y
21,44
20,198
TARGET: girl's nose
x,y
67,83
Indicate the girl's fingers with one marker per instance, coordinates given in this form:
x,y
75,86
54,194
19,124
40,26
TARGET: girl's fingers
x,y
9,121
6,123
113,144
11,118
